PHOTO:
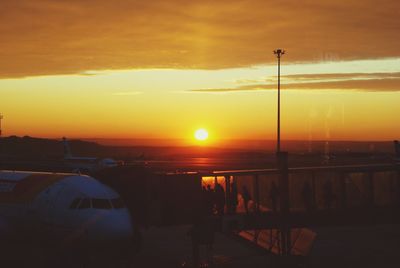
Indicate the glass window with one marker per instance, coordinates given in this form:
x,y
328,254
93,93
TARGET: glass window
x,y
117,203
85,203
75,203
101,203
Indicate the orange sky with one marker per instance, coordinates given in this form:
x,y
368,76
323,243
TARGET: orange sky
x,y
162,69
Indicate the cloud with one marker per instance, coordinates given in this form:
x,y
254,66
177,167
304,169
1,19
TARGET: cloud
x,y
341,76
356,81
46,37
295,78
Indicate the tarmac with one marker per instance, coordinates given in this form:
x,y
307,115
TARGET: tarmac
x,y
352,246
366,246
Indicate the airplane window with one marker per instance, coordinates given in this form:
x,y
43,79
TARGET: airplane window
x,y
117,203
75,203
85,203
101,203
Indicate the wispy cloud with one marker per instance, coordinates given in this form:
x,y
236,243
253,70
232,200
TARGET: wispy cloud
x,y
316,77
89,73
341,76
340,81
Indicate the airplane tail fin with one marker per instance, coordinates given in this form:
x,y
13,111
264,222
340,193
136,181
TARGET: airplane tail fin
x,y
67,150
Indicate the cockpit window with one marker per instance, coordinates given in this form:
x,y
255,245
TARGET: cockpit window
x,y
117,203
85,203
75,203
101,203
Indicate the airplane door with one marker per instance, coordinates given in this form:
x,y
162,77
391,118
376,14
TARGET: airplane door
x,y
45,205
53,196
62,213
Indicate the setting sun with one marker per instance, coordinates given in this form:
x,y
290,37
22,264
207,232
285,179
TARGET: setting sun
x,y
201,134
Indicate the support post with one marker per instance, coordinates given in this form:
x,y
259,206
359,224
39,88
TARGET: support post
x,y
279,53
343,191
371,197
314,192
285,231
228,194
278,144
256,193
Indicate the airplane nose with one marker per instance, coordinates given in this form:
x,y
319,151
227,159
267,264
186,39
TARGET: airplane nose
x,y
111,225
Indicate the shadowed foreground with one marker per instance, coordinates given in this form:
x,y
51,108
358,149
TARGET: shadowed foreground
x,y
365,246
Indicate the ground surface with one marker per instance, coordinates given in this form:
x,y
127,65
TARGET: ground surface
x,y
366,246
168,247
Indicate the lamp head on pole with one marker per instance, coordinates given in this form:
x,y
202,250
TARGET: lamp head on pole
x,y
279,52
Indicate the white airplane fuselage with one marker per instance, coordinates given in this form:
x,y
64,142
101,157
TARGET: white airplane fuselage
x,y
85,164
89,164
67,209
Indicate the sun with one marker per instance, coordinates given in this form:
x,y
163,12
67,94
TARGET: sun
x,y
201,134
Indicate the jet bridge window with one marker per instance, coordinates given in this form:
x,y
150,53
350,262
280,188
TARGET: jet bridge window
x,y
117,203
75,203
85,203
101,203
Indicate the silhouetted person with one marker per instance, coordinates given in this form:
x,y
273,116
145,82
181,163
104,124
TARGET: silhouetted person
x,y
246,198
219,199
233,197
204,201
306,193
328,194
209,200
209,188
274,194
204,198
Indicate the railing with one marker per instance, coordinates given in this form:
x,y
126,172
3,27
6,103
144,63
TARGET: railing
x,y
284,200
315,188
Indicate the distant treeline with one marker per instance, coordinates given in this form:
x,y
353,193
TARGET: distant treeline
x,y
14,146
21,147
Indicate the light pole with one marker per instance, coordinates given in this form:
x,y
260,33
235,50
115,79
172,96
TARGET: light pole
x,y
279,52
283,181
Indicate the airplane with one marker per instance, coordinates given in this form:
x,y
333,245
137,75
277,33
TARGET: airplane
x,y
63,209
86,164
